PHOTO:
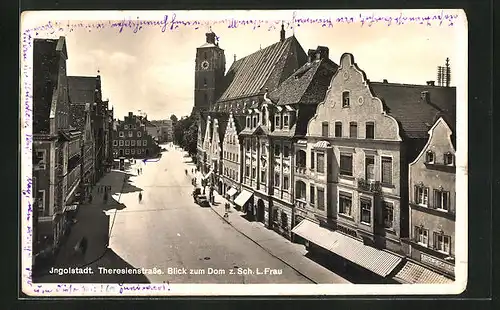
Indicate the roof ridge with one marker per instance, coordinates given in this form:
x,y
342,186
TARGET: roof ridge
x,y
412,85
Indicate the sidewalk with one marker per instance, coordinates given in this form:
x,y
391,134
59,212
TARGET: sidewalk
x,y
292,254
93,224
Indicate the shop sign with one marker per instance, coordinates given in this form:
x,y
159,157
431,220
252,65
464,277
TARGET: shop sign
x,y
437,263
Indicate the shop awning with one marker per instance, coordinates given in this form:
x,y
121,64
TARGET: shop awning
x,y
231,192
243,198
412,273
377,261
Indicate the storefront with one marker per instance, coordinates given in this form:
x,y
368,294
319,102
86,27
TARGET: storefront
x,y
414,273
245,201
231,193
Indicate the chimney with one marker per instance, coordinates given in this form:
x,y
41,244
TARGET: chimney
x,y
385,81
322,52
210,36
282,33
234,57
310,55
425,96
430,83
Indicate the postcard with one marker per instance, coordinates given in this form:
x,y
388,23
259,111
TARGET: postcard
x,y
232,153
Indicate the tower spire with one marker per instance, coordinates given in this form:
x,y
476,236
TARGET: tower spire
x,y
282,32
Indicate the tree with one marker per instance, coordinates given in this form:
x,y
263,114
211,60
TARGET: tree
x,y
173,118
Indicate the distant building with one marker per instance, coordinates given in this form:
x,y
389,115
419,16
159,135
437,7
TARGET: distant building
x,y
132,140
152,129
166,130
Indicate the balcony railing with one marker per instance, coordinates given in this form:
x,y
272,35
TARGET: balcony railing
x,y
301,170
300,204
369,186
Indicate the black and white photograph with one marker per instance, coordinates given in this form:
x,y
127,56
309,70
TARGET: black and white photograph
x,y
244,152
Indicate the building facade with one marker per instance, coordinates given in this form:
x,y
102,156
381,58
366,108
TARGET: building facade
x,y
432,201
131,140
231,168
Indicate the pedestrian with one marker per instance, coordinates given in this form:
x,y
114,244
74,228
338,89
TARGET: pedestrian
x,y
105,198
90,198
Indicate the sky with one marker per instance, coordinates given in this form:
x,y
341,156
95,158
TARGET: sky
x,y
153,71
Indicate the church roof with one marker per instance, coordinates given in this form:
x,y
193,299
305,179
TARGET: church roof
x,y
404,102
265,68
82,89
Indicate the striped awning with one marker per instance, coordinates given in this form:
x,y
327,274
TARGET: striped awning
x,y
377,261
412,273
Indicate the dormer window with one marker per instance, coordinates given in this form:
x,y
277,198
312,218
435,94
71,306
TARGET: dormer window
x,y
264,117
448,159
429,157
286,120
248,121
255,120
345,99
324,129
277,121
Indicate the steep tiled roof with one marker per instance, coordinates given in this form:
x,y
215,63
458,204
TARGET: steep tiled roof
x,y
404,102
82,88
78,115
265,68
307,85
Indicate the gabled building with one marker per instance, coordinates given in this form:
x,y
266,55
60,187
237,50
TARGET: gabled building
x,y
131,139
231,156
359,144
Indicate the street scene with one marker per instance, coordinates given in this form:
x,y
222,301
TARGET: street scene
x,y
281,159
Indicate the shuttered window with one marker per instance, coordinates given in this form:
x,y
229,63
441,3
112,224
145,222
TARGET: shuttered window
x,y
387,170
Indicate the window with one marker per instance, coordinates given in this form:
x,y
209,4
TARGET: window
x,y
254,172
312,195
312,160
353,130
442,199
248,121
264,117
263,150
263,176
442,243
144,142
275,215
366,208
254,121
254,146
284,220
338,129
139,134
125,127
369,168
121,142
345,204
448,159
138,142
300,159
345,99
127,151
130,134
346,164
277,119
121,134
300,190
132,142
247,171
422,235
370,130
205,81
285,120
115,142
321,198
132,151
386,170
138,151
429,157
421,195
286,182
388,214
276,179
248,145
286,151
127,143
40,196
277,150
320,160
324,129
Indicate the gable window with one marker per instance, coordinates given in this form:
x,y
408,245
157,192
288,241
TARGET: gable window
x,y
248,121
121,134
321,198
139,134
254,121
277,150
144,142
132,142
138,151
320,160
324,129
127,143
422,235
264,116
138,142
442,242
441,200
388,213
121,142
127,151
276,179
125,127
345,203
312,198
448,159
369,168
132,151
370,130
345,99
338,129
277,123
366,209
286,151
346,164
285,120
353,130
386,170
421,195
286,182
429,157
130,134
115,142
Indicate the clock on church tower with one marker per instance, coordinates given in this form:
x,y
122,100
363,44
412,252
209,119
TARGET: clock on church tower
x,y
209,73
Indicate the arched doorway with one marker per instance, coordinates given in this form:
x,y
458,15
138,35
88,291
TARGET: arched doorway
x,y
260,211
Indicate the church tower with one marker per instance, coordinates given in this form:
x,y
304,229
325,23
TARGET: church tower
x,y
209,73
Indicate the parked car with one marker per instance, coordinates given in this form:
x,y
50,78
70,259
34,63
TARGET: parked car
x,y
196,192
202,201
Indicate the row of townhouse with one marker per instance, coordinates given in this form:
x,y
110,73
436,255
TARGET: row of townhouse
x,y
317,152
71,145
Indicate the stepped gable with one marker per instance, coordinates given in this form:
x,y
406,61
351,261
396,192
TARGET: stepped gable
x,y
417,107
